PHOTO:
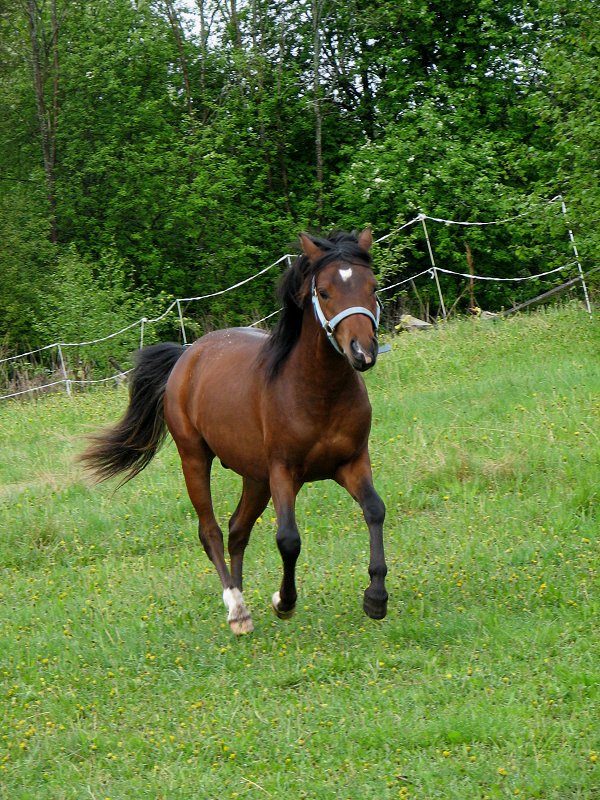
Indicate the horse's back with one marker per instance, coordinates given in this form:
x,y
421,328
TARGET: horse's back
x,y
213,394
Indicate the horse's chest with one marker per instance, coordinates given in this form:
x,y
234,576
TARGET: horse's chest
x,y
315,442
329,450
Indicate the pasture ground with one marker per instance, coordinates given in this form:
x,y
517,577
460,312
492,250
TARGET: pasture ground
x,y
120,678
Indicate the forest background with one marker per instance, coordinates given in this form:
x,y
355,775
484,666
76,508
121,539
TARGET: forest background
x,y
162,149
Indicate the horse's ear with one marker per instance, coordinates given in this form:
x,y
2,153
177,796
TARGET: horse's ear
x,y
311,249
365,239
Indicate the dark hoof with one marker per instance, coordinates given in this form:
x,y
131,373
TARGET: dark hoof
x,y
376,608
280,612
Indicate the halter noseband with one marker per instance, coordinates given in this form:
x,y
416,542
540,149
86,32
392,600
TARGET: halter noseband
x,y
329,325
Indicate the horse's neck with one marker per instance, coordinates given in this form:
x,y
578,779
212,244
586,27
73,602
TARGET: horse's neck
x,y
317,366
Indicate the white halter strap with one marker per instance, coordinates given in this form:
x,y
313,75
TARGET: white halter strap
x,y
329,325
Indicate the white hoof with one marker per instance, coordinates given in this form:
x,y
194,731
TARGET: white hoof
x,y
241,626
239,618
276,601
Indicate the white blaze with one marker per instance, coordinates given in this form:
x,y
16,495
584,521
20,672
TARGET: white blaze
x,y
346,274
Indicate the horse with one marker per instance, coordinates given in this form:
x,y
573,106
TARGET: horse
x,y
279,409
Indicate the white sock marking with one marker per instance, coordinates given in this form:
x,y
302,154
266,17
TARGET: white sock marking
x,y
234,603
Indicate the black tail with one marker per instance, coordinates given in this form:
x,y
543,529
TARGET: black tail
x,y
131,444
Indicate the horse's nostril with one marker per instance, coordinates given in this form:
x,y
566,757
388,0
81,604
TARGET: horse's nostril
x,y
361,359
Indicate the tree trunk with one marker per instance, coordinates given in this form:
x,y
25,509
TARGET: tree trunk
x,y
281,138
317,7
367,103
235,25
47,117
178,34
228,9
257,41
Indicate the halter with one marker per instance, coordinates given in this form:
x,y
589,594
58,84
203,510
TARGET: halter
x,y
329,325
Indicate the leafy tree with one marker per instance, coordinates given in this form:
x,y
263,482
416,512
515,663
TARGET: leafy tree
x,y
25,257
188,144
569,102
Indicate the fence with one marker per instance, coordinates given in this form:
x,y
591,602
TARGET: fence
x,y
432,271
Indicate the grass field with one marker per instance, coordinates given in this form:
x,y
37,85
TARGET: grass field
x,y
121,679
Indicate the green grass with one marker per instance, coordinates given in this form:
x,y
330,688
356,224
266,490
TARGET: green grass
x,y
120,678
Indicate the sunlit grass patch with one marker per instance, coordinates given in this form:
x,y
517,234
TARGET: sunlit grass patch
x,y
120,677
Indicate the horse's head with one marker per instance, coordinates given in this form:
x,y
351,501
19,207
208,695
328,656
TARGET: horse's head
x,y
343,296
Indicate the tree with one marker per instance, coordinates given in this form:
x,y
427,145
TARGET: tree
x,y
44,57
188,144
569,103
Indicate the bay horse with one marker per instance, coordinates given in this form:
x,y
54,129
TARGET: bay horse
x,y
279,409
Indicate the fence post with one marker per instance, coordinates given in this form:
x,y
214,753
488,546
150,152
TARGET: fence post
x,y
577,261
142,322
63,370
181,323
431,258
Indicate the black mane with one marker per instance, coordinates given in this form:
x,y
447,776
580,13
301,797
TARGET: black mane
x,y
294,293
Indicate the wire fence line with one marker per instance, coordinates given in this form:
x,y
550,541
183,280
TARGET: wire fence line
x,y
432,271
144,320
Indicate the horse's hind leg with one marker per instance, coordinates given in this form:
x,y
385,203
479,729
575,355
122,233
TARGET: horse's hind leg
x,y
253,502
196,462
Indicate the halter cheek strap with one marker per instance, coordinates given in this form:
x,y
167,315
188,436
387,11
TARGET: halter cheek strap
x,y
329,325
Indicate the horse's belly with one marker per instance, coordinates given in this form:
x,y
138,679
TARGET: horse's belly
x,y
238,447
214,394
231,427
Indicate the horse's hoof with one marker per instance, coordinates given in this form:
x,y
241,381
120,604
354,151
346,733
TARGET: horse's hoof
x,y
241,626
375,608
276,601
238,618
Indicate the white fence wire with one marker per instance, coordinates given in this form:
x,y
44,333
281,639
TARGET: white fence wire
x,y
432,271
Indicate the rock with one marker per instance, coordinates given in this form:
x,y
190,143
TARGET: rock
x,y
485,315
410,323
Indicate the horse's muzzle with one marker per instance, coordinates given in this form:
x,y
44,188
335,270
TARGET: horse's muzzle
x,y
362,359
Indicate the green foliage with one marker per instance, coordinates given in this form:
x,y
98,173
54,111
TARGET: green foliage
x,y
183,141
572,99
26,256
80,306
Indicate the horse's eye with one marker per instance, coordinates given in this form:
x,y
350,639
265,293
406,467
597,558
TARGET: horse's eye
x,y
323,294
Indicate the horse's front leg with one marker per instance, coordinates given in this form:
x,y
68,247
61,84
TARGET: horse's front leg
x,y
356,477
283,491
